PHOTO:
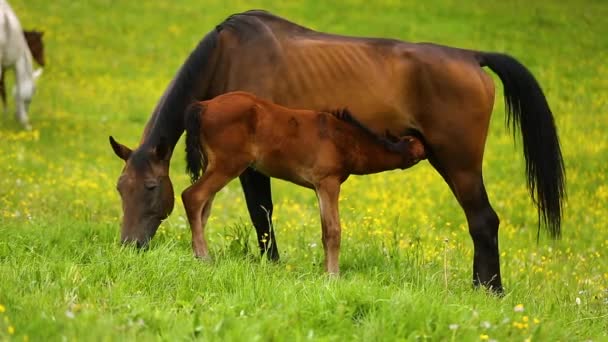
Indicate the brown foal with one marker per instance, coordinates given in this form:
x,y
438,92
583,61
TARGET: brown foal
x,y
317,150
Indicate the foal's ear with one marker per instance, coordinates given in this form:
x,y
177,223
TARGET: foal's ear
x,y
122,151
162,150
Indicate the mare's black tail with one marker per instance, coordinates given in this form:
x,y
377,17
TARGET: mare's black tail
x,y
528,112
196,161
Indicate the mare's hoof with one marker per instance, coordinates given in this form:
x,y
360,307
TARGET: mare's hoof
x,y
497,291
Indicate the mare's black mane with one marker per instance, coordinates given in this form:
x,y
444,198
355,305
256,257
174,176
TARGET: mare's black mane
x,y
167,122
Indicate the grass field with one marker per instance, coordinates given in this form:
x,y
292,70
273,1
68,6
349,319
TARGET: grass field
x,y
406,258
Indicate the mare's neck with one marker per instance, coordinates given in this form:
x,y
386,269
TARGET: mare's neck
x,y
167,120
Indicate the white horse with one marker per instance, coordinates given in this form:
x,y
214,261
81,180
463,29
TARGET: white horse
x,y
15,54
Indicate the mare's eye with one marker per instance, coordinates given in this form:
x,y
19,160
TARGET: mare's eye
x,y
151,184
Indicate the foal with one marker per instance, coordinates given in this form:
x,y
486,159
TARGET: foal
x,y
316,150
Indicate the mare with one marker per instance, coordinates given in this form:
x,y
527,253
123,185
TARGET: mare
x,y
317,150
15,54
36,46
440,92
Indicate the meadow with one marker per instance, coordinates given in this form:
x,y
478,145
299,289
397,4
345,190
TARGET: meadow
x,y
406,253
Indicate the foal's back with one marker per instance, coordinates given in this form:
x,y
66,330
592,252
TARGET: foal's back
x,y
280,142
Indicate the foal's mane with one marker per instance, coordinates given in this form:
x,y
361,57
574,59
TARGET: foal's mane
x,y
387,140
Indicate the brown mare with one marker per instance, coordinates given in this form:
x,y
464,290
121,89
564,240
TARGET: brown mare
x,y
440,92
317,150
34,42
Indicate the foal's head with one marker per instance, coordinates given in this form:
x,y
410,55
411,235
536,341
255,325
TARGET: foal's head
x,y
34,42
410,146
145,189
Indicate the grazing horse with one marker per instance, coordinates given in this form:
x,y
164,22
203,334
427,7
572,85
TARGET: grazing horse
x,y
15,54
36,46
440,92
317,150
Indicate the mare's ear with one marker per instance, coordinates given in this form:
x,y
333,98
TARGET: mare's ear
x,y
122,151
162,150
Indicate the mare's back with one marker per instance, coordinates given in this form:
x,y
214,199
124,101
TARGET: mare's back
x,y
302,68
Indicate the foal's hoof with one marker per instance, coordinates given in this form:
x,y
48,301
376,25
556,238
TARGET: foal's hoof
x,y
204,258
333,275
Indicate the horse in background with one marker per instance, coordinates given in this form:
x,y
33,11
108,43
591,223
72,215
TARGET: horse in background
x,y
15,54
315,149
36,46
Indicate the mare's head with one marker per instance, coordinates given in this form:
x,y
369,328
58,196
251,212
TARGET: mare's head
x,y
34,42
145,190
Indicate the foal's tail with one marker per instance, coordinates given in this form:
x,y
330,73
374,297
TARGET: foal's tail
x,y
528,112
196,159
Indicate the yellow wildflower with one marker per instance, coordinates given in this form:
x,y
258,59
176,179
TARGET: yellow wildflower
x,y
10,329
484,337
2,308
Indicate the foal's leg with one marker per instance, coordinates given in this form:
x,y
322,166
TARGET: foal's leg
x,y
197,200
199,244
256,187
328,192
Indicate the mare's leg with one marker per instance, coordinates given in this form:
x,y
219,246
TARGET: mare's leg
x,y
328,192
466,182
256,187
24,81
197,200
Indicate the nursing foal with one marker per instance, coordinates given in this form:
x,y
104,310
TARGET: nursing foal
x,y
317,150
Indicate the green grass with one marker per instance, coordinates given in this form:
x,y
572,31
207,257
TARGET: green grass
x,y
406,256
